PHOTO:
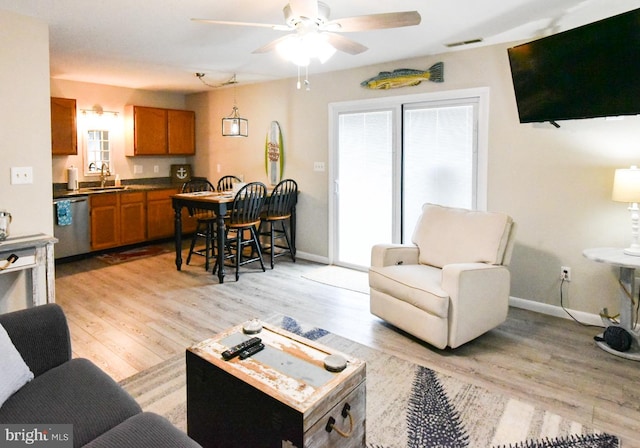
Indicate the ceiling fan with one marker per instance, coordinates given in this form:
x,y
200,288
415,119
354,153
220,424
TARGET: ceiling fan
x,y
317,36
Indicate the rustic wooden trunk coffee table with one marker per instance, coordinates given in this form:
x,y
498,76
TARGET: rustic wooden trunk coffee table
x,y
282,396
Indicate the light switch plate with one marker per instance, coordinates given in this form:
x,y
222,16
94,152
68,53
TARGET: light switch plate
x,y
137,169
21,175
318,166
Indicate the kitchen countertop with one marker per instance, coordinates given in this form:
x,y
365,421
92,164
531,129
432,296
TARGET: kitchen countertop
x,y
60,190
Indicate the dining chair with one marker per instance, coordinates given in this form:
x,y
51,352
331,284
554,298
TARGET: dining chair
x,y
274,219
241,227
225,183
206,221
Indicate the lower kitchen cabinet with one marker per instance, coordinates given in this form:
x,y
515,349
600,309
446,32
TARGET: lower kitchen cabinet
x,y
117,219
160,215
105,221
129,217
133,218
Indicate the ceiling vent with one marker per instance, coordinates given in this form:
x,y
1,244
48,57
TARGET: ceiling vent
x,y
464,42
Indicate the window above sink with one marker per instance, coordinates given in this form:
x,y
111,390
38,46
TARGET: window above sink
x,y
98,151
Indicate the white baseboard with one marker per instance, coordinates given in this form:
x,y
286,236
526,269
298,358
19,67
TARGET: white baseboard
x,y
553,310
312,257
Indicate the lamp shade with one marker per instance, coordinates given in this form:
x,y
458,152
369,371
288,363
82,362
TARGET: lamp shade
x,y
626,185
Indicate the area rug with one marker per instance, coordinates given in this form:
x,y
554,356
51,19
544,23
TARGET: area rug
x,y
408,405
340,277
133,254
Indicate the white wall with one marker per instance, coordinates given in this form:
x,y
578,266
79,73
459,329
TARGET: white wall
x,y
25,136
556,183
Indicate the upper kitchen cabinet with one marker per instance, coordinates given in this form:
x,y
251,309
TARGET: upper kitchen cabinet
x,y
64,135
181,131
153,131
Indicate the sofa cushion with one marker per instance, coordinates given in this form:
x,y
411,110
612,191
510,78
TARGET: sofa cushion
x,y
40,334
145,430
14,372
76,392
416,284
447,235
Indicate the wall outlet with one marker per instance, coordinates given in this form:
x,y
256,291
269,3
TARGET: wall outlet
x,y
565,273
137,169
21,175
156,169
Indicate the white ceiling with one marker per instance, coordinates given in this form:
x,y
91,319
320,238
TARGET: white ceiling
x,y
153,44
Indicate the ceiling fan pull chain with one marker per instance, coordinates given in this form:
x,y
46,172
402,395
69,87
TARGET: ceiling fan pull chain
x,y
298,85
306,78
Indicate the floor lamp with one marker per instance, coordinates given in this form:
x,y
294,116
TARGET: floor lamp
x,y
626,188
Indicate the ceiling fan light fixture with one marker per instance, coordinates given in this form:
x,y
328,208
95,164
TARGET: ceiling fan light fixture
x,y
300,49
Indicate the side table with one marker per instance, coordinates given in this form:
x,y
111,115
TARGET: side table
x,y
628,265
34,252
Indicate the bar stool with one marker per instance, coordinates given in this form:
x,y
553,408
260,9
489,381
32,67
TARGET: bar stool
x,y
278,210
206,221
244,217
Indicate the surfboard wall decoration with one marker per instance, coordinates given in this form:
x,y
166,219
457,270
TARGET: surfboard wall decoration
x,y
274,154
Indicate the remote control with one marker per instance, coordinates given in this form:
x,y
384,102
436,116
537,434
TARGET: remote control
x,y
251,351
237,349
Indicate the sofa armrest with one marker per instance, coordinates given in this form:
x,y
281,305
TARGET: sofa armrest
x,y
41,335
391,254
479,299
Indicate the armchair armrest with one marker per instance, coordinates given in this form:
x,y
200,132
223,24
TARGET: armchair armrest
x,y
479,299
41,335
391,254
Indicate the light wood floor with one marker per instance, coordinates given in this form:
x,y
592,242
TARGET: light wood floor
x,y
131,316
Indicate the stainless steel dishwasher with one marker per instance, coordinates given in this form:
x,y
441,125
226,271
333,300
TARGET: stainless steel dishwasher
x,y
75,238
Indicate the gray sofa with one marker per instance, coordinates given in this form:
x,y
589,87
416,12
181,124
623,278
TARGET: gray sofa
x,y
76,391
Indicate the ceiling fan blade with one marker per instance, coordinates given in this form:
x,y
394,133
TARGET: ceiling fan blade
x,y
304,8
374,22
271,45
345,45
263,25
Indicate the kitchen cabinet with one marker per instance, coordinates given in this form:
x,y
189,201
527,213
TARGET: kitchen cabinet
x,y
105,221
181,132
160,215
133,217
152,131
64,134
117,219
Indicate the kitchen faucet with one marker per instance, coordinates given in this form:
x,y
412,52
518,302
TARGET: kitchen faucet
x,y
103,176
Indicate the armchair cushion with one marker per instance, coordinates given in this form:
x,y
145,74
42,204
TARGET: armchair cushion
x,y
416,284
447,235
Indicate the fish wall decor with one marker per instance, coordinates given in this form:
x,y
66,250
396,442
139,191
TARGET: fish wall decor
x,y
404,77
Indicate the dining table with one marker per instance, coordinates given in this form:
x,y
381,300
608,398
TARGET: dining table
x,y
219,203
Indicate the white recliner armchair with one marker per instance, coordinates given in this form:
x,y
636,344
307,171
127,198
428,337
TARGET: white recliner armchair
x,y
452,284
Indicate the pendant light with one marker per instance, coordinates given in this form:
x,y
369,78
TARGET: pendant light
x,y
234,125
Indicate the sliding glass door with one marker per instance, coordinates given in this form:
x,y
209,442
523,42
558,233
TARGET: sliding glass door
x,y
388,161
364,184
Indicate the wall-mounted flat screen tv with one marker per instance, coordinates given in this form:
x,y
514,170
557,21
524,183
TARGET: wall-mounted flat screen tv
x,y
589,71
